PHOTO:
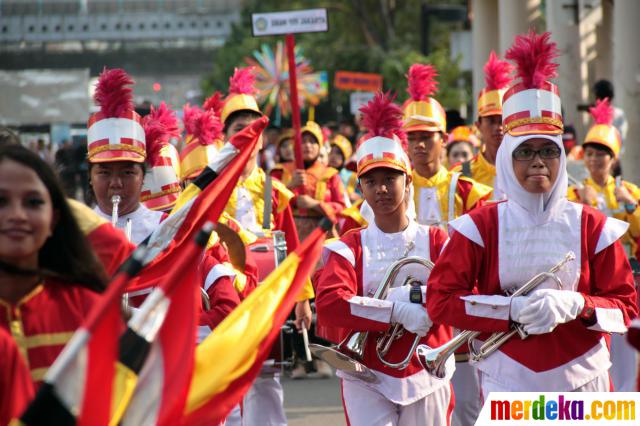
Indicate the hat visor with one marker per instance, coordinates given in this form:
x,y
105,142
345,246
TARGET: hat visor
x,y
600,143
114,156
423,128
493,111
381,164
535,129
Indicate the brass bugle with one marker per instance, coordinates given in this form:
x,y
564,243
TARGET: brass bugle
x,y
433,359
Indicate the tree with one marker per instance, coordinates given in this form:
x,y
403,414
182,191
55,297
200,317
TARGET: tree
x,y
379,36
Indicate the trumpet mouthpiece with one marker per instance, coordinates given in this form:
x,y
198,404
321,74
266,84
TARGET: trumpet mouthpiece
x,y
115,199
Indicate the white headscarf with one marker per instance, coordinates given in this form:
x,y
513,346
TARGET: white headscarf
x,y
540,207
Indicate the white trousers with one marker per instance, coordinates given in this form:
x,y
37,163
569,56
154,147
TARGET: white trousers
x,y
262,405
466,386
624,368
365,406
599,384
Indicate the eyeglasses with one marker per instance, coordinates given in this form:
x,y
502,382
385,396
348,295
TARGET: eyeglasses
x,y
528,154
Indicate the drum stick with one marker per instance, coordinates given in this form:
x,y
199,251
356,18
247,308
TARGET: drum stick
x,y
305,339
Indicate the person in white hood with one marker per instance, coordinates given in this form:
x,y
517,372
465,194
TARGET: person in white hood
x,y
500,247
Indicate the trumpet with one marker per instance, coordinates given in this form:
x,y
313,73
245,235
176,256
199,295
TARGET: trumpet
x,y
433,360
355,343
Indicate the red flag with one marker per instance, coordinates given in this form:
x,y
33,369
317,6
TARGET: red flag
x,y
212,398
204,203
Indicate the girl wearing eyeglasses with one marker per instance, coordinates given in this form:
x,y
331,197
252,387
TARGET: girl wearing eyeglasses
x,y
498,248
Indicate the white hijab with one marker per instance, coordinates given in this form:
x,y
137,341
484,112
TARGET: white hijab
x,y
540,207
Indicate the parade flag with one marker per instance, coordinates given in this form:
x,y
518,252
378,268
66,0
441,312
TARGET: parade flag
x,y
86,365
162,332
229,359
200,202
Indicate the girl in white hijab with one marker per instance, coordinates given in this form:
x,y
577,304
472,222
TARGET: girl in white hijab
x,y
498,248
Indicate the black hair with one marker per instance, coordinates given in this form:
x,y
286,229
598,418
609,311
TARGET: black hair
x,y
66,255
598,147
242,113
603,89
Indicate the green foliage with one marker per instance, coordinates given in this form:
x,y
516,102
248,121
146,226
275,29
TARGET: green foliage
x,y
359,39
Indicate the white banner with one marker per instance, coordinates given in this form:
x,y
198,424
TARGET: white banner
x,y
553,408
290,22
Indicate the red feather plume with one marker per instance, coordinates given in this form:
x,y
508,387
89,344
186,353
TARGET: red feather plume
x,y
242,82
602,113
382,117
496,72
159,126
421,81
215,103
204,125
112,94
533,55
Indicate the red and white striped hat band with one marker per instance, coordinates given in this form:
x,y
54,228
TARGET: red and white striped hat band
x,y
161,187
116,139
381,152
532,111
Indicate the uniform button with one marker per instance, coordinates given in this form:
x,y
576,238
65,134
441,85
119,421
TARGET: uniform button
x,y
473,303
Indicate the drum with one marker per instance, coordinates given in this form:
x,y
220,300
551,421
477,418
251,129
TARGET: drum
x,y
268,252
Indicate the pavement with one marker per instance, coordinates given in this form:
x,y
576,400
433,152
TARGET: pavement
x,y
313,402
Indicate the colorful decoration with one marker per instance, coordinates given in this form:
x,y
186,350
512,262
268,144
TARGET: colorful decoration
x,y
272,80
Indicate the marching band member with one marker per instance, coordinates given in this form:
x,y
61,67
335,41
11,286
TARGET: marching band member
x,y
503,245
354,269
116,156
202,139
284,147
161,187
440,195
461,145
615,198
323,189
339,155
482,167
49,276
249,204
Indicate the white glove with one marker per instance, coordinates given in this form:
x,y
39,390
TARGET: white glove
x,y
516,306
547,308
412,316
401,293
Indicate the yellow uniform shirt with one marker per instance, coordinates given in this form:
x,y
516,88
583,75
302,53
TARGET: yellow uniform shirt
x,y
433,196
606,202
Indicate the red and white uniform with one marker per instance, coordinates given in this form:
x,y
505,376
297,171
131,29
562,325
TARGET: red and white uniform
x,y
217,281
354,267
502,246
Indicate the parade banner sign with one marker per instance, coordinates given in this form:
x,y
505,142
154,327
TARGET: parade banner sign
x,y
359,99
361,81
289,22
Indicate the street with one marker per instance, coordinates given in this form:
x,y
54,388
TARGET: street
x,y
313,402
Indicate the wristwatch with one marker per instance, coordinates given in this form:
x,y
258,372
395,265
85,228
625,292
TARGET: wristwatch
x,y
415,294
